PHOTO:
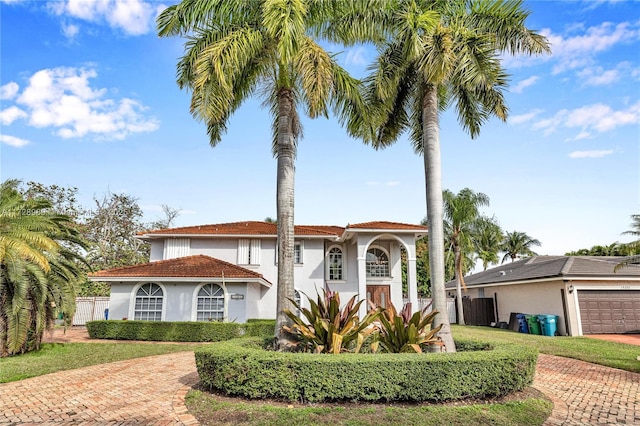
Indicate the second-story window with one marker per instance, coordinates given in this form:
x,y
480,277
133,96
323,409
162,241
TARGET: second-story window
x,y
248,251
335,264
297,252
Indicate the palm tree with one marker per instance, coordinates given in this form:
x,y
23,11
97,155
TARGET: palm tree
x,y
461,212
489,238
437,53
238,48
38,269
633,246
518,244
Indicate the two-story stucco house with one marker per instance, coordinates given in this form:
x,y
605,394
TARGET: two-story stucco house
x,y
229,271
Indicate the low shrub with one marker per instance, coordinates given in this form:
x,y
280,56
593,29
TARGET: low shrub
x,y
259,327
165,331
242,367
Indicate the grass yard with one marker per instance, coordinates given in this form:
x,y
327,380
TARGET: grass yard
x,y
610,354
66,356
526,409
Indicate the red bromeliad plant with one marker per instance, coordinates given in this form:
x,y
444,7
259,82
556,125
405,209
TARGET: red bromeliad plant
x,y
403,332
329,329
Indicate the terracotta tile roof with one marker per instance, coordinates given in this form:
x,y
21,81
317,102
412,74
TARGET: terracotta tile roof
x,y
246,228
387,225
199,266
539,267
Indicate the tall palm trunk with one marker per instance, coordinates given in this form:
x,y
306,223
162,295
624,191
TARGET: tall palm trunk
x,y
433,182
286,152
459,279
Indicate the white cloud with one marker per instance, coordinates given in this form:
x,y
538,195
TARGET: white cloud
x,y
577,51
523,118
577,46
11,114
598,117
133,17
521,85
597,76
356,56
392,183
591,154
13,141
70,31
9,90
62,98
12,1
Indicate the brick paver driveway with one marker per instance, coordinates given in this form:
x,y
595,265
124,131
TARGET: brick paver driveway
x,y
588,394
151,391
143,391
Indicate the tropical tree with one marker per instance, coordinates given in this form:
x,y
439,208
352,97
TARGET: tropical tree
x,y
436,53
39,268
634,246
461,212
518,244
238,48
489,238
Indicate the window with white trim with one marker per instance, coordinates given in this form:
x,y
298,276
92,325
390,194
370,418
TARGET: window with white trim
x,y
148,305
377,263
298,299
249,251
297,252
335,270
298,248
210,303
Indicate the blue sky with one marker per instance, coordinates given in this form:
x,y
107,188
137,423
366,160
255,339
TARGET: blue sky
x,y
88,99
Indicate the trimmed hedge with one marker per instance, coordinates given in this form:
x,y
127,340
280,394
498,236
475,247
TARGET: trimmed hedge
x,y
165,331
242,367
260,327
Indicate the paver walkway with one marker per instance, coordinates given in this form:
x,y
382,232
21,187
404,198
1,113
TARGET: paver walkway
x,y
142,391
151,391
588,394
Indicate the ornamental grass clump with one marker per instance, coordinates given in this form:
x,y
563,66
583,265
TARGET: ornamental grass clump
x,y
403,332
329,329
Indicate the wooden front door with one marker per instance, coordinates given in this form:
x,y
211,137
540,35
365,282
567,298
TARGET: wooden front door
x,y
379,295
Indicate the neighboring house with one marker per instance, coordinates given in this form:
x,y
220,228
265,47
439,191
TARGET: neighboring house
x,y
584,291
228,272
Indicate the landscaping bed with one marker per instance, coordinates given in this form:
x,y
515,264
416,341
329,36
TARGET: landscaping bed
x,y
244,368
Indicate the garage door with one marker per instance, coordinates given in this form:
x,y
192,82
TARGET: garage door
x,y
609,311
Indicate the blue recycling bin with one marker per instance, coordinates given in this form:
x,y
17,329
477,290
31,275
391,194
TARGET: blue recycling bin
x,y
548,324
106,314
522,323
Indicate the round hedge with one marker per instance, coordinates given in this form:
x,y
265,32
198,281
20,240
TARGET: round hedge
x,y
242,367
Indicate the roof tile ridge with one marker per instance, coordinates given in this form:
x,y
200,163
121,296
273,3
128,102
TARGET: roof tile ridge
x,y
567,265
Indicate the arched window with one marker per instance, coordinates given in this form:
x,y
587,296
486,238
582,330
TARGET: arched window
x,y
335,264
377,263
148,305
297,297
210,304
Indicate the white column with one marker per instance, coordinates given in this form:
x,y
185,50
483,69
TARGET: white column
x,y
362,284
412,283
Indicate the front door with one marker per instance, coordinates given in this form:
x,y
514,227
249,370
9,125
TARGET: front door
x,y
379,295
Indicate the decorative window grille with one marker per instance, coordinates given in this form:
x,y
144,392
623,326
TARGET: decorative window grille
x,y
148,305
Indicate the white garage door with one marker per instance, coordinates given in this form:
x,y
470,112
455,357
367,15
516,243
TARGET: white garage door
x,y
609,311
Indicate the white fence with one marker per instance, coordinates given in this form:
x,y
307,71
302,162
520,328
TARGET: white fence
x,y
89,309
451,307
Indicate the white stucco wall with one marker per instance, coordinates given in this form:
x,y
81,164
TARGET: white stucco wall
x,y
180,298
534,299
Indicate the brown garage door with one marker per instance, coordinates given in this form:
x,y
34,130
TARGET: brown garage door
x,y
609,311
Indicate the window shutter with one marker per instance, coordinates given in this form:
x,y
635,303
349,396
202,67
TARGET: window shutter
x,y
243,252
176,247
255,251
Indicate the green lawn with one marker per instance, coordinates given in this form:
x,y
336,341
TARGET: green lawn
x,y
610,354
214,410
66,356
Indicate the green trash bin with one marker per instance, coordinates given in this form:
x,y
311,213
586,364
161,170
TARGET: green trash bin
x,y
548,323
534,325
